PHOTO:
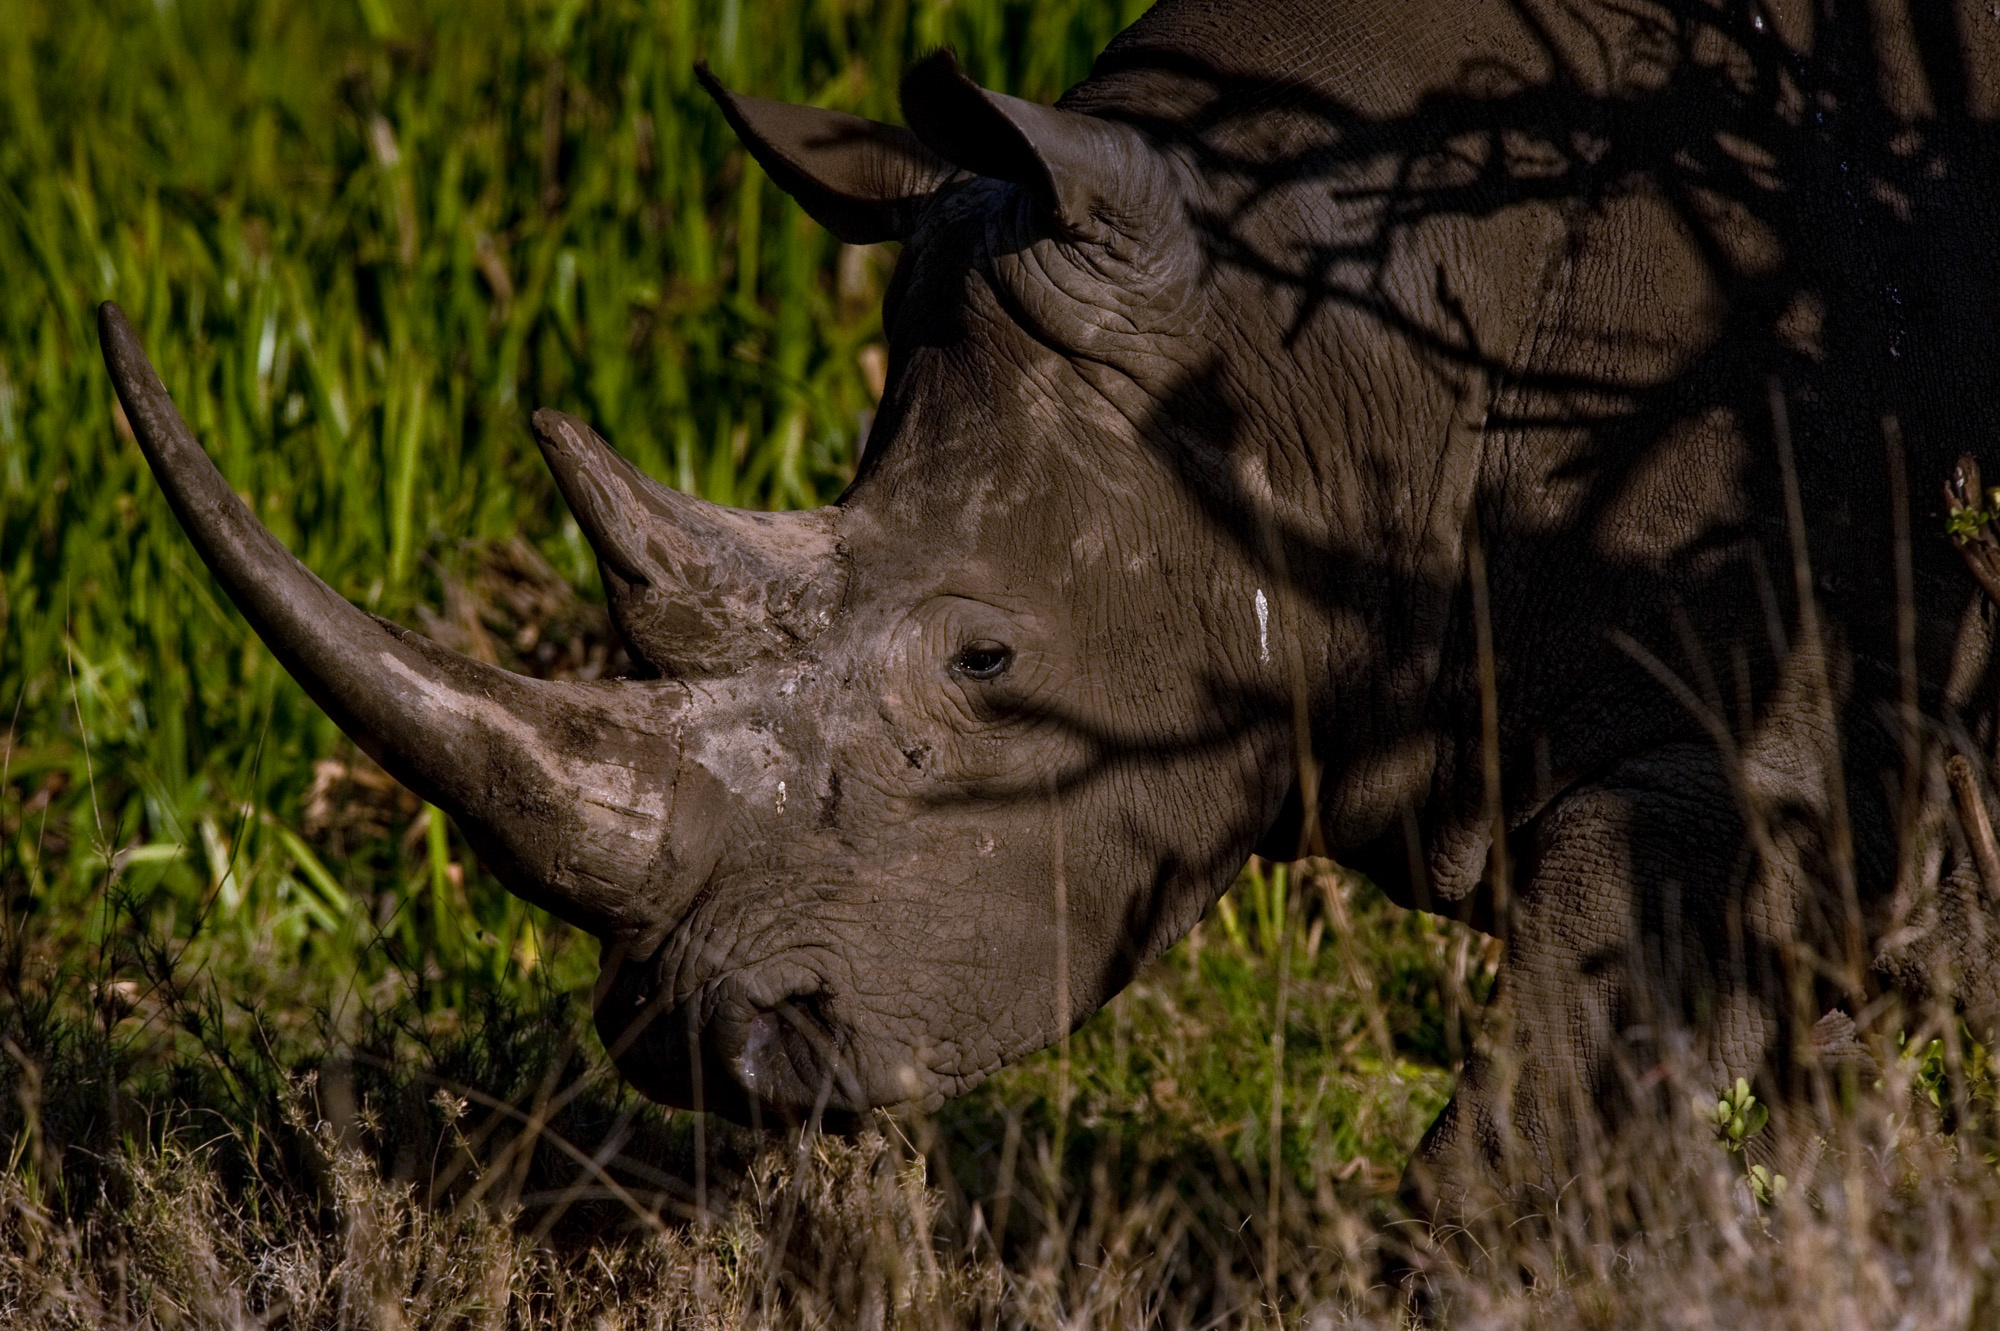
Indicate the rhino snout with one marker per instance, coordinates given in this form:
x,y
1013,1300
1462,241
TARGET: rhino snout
x,y
787,1055
744,1045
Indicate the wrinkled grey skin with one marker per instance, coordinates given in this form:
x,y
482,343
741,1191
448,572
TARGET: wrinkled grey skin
x,y
1208,392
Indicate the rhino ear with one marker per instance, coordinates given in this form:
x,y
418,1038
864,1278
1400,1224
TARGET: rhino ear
x,y
1079,168
861,180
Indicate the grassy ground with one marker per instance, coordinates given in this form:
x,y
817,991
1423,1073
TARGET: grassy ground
x,y
277,1051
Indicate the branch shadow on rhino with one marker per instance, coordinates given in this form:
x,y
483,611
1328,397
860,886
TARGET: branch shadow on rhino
x,y
1580,271
1670,762
1721,212
1626,490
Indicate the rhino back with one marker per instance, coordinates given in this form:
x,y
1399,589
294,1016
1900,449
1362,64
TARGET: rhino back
x,y
1554,262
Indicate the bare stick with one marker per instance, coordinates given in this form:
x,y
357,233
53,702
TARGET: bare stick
x,y
1274,1192
1978,826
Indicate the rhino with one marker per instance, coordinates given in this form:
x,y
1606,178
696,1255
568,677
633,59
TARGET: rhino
x,y
1473,439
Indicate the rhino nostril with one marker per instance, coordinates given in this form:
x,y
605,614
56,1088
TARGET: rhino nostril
x,y
753,1062
791,1055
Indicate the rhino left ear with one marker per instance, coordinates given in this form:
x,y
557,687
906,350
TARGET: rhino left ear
x,y
1081,169
861,180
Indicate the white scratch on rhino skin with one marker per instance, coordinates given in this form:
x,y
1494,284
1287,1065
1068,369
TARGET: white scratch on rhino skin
x,y
1263,628
781,797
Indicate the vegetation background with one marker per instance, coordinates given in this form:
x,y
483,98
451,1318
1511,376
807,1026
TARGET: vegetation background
x,y
276,1050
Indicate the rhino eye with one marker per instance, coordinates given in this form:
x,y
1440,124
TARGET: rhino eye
x,y
983,659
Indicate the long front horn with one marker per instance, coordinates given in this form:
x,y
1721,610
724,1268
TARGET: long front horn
x,y
696,589
566,790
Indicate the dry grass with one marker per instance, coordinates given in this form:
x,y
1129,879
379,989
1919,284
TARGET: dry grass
x,y
491,1176
836,1232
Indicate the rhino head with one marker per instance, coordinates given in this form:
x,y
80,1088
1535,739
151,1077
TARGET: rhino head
x,y
917,780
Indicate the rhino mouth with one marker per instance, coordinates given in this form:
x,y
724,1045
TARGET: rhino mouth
x,y
749,1056
786,1055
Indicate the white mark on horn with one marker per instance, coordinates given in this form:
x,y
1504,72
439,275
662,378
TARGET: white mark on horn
x,y
1263,628
781,797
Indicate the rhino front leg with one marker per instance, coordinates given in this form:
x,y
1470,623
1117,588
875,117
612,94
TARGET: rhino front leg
x,y
1646,957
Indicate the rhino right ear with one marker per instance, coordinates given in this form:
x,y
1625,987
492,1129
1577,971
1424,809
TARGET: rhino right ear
x,y
1081,169
861,180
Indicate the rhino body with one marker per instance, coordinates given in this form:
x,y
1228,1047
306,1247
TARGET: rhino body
x,y
1471,439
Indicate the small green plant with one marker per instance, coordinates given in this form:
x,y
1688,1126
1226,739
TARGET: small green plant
x,y
1931,1074
1930,1078
1965,521
1737,1116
